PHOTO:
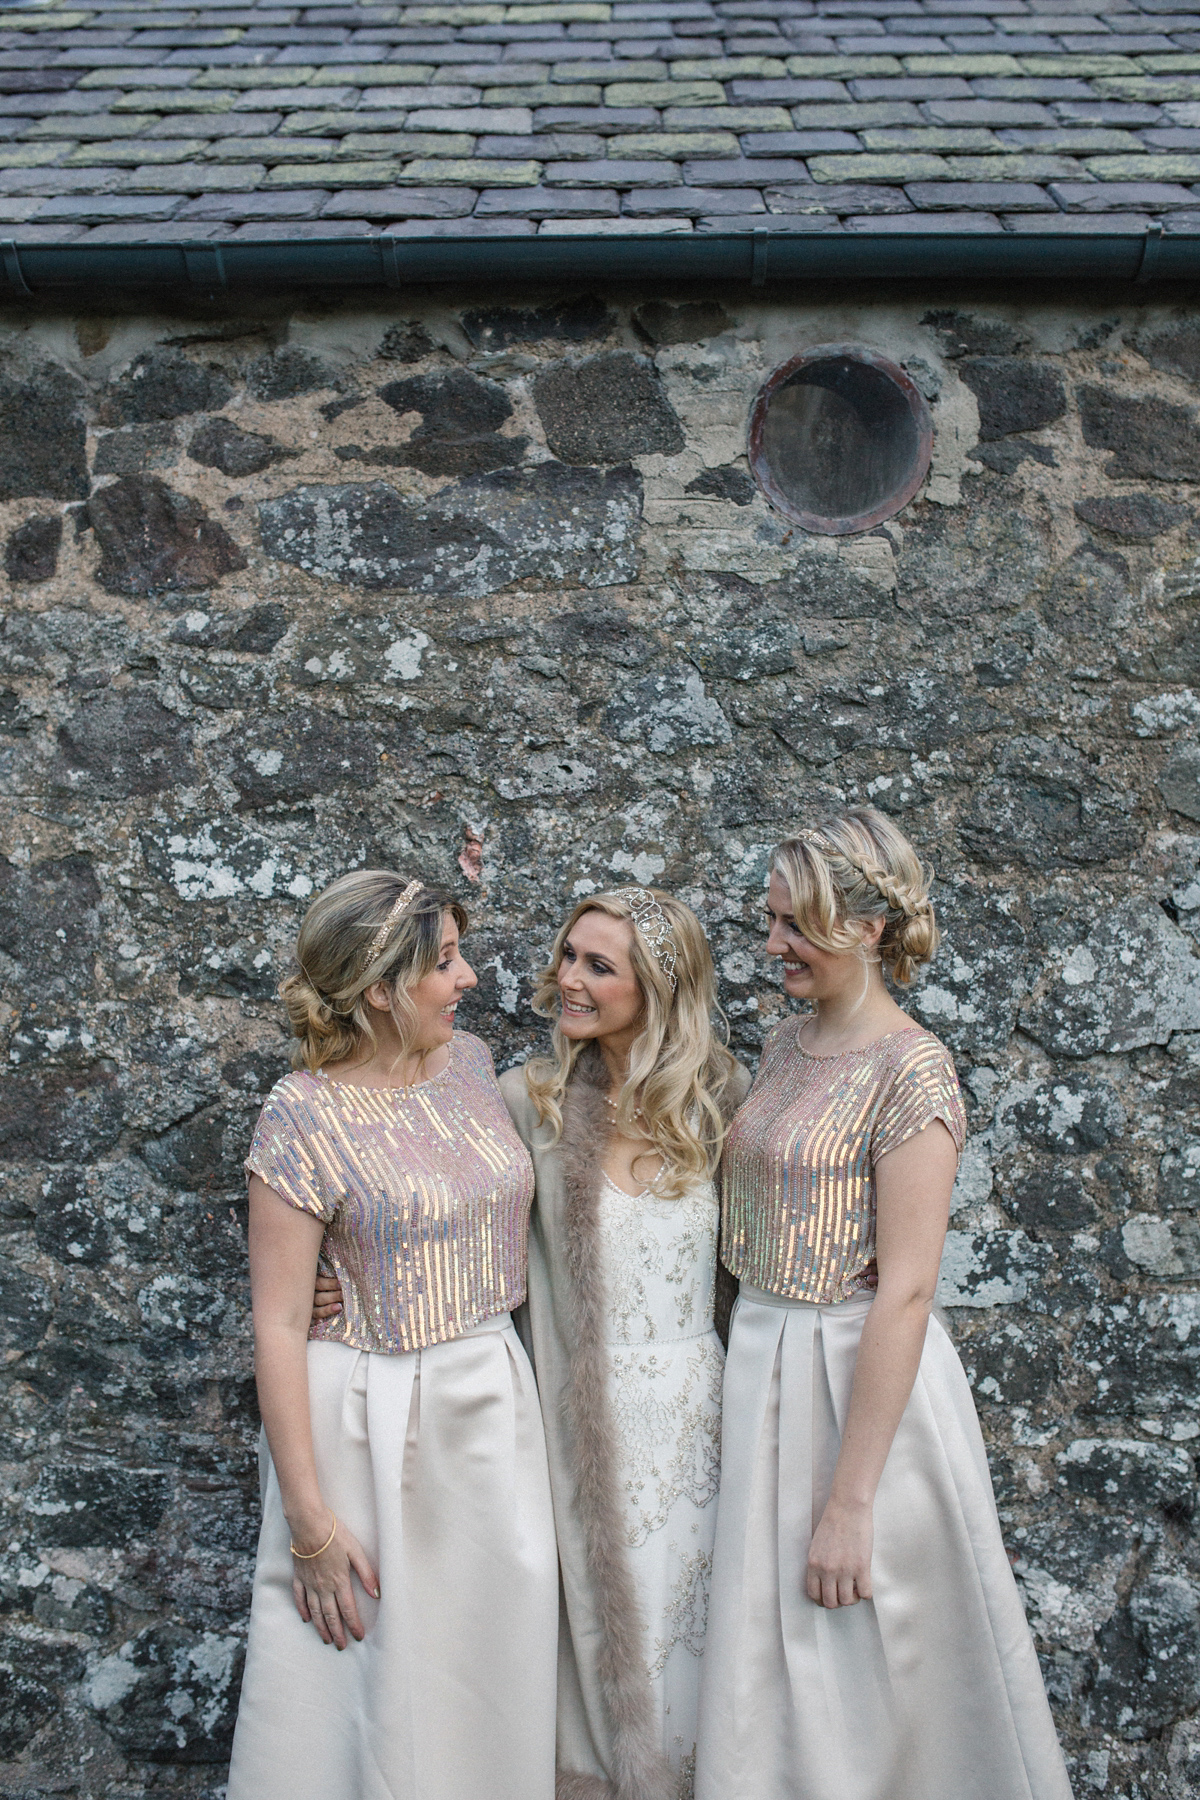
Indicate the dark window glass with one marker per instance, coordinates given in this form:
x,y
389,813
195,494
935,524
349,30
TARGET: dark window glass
x,y
839,439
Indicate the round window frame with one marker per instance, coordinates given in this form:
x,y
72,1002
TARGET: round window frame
x,y
854,523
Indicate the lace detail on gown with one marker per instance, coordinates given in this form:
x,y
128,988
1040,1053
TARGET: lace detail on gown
x,y
665,1372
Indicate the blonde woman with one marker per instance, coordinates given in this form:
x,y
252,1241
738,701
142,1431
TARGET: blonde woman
x,y
625,1120
866,1638
407,1519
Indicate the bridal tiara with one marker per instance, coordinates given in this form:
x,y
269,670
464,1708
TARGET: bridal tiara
x,y
651,923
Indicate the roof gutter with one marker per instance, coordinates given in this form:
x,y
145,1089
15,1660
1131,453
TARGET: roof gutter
x,y
68,271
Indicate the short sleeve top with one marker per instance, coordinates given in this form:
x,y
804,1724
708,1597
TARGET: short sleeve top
x,y
798,1172
424,1193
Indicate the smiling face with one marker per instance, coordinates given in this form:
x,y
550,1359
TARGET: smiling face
x,y
810,973
434,998
601,996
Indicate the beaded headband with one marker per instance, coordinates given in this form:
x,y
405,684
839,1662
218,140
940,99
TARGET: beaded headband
x,y
400,905
652,927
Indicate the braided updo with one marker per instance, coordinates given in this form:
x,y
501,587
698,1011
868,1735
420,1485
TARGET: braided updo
x,y
857,865
326,995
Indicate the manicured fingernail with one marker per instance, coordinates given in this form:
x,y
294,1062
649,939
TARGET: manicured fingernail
x,y
376,1593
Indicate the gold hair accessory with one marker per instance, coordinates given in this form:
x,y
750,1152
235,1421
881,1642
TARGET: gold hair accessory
x,y
381,936
814,838
651,923
308,1555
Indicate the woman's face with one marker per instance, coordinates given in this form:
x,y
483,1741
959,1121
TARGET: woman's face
x,y
436,996
601,995
809,973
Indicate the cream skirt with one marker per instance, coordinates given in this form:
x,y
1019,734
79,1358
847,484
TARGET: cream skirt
x,y
436,1462
931,1691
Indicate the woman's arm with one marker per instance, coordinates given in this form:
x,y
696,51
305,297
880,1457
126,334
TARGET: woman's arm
x,y
284,1246
912,1185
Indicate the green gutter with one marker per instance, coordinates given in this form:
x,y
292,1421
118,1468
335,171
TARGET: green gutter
x,y
66,270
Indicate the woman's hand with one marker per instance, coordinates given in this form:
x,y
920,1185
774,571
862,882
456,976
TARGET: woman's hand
x,y
839,1557
327,1298
322,1588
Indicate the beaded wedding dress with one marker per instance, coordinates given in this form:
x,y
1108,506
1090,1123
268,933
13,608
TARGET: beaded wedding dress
x,y
665,1365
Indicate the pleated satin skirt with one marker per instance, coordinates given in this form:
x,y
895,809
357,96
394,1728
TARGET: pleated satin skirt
x,y
437,1463
930,1691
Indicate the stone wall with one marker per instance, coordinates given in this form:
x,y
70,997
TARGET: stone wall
x,y
485,590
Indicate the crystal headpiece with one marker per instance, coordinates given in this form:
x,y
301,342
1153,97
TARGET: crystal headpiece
x,y
809,836
652,927
400,905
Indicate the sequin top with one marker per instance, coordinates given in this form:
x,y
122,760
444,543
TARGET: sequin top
x,y
425,1193
798,1173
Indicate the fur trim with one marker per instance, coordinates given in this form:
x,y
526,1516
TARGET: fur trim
x,y
639,1769
570,1785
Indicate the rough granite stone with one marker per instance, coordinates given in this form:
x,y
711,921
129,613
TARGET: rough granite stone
x,y
31,550
164,384
221,445
472,538
154,540
1151,437
606,409
43,450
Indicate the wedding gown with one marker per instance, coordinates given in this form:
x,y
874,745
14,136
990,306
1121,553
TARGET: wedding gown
x,y
665,1368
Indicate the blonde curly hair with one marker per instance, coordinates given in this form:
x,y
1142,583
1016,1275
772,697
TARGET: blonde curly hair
x,y
678,1066
856,866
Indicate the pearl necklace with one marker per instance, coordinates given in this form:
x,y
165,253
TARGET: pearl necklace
x,y
637,1111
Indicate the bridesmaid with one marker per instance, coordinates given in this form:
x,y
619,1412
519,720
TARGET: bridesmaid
x,y
866,1638
625,1121
407,1516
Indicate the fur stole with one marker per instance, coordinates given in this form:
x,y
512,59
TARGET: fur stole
x,y
639,1769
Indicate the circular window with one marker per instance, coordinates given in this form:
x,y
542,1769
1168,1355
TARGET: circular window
x,y
840,439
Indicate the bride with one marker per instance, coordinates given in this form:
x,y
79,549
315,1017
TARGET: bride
x,y
625,1121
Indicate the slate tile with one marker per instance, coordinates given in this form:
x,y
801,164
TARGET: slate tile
x,y
393,202
94,208
299,205
675,145
517,119
988,112
871,167
547,203
1152,165
617,172
654,202
606,120
966,224
582,147
468,228
1072,143
1093,197
469,171
929,137
1080,225
909,87
260,232
746,171
986,196
724,224
796,143
672,227
843,200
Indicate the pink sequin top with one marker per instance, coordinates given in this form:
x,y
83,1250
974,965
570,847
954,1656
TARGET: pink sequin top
x,y
798,1172
425,1193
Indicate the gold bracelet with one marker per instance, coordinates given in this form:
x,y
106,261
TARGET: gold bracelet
x,y
308,1555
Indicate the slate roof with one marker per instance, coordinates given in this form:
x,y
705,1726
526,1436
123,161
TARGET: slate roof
x,y
594,118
